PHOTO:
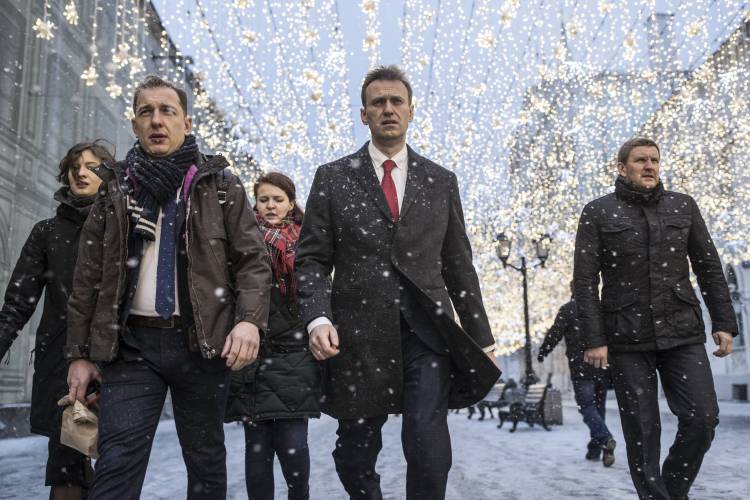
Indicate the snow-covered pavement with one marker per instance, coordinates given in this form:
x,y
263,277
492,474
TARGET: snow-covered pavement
x,y
488,463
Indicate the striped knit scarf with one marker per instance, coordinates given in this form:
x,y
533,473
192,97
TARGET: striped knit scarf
x,y
156,180
281,241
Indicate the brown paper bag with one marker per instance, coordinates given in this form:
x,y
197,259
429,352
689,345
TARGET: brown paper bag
x,y
80,427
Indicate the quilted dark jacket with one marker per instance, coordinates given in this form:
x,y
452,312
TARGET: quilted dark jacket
x,y
285,380
643,244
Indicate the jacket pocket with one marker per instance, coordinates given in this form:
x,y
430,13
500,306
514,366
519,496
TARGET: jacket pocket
x,y
621,236
685,312
622,320
676,231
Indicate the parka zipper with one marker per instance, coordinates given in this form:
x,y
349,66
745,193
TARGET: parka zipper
x,y
207,350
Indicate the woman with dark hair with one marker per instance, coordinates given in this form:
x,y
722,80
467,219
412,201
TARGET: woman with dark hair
x,y
276,395
46,263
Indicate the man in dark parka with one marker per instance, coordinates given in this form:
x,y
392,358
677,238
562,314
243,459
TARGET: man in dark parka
x,y
640,239
171,290
390,223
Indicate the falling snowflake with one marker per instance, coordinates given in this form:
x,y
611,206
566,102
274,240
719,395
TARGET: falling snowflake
x,y
369,6
506,18
113,89
89,76
309,36
486,39
574,28
696,27
136,66
312,77
370,41
249,37
44,29
71,14
121,56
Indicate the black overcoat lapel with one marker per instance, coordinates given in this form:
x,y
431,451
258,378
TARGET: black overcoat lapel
x,y
415,175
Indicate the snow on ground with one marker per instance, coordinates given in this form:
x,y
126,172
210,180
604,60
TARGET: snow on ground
x,y
488,464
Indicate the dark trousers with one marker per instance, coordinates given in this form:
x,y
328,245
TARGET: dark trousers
x,y
424,432
133,390
286,438
689,388
591,397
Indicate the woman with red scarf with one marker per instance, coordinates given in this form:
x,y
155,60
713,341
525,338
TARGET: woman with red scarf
x,y
276,395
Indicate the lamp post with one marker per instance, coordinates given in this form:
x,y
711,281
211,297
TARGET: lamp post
x,y
542,252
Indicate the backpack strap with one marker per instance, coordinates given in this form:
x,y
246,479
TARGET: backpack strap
x,y
222,186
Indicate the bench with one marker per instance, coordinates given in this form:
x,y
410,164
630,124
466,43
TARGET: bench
x,y
530,410
496,398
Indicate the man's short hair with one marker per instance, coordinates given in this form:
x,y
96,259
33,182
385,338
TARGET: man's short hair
x,y
391,72
100,148
155,82
624,153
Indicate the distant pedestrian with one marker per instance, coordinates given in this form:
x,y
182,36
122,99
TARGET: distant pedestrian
x,y
590,384
170,292
277,394
46,265
642,240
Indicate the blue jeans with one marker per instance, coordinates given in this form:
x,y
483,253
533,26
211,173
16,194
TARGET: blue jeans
x,y
286,438
591,396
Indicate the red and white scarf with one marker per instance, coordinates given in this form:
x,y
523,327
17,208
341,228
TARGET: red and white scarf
x,y
281,241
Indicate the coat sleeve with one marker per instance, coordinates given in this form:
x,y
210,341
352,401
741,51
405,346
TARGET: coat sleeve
x,y
251,265
555,333
586,267
460,276
87,281
24,288
706,265
313,262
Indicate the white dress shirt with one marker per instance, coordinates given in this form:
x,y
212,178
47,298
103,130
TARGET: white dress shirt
x,y
144,301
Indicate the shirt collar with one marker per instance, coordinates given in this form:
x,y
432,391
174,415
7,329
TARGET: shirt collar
x,y
378,157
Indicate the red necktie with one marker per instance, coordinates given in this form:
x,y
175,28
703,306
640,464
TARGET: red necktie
x,y
389,188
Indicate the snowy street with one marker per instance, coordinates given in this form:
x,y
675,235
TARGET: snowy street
x,y
487,463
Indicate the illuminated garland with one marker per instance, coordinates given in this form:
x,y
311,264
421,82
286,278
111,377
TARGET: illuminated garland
x,y
526,101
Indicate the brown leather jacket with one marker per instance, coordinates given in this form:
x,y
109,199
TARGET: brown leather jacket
x,y
224,252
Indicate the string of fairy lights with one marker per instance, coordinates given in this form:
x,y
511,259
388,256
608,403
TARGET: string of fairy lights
x,y
526,101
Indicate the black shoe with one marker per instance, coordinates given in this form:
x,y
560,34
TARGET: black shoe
x,y
594,451
608,457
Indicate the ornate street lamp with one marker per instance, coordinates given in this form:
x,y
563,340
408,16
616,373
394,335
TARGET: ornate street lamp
x,y
541,246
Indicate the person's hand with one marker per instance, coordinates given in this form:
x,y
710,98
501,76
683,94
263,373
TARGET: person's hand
x,y
724,340
80,373
597,356
241,346
324,342
492,357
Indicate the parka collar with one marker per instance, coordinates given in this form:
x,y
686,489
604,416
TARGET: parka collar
x,y
638,195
